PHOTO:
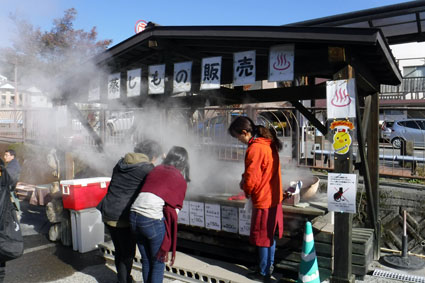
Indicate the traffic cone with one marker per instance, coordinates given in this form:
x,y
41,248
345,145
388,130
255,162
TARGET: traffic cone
x,y
309,270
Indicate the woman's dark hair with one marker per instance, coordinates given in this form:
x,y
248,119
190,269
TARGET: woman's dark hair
x,y
244,123
179,158
149,147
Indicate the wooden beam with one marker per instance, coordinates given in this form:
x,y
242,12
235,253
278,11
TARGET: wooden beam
x,y
366,80
365,119
310,116
77,113
364,168
227,96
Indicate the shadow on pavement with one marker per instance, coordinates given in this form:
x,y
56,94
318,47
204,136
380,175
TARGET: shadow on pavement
x,y
47,261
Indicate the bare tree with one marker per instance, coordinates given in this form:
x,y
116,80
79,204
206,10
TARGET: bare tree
x,y
44,55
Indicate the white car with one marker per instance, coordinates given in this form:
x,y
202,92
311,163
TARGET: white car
x,y
119,122
408,130
386,129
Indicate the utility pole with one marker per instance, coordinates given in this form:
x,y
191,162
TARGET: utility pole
x,y
15,102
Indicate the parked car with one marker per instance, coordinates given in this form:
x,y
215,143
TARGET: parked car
x,y
119,122
215,129
408,130
386,129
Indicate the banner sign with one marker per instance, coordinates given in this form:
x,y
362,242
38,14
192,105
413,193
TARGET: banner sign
x,y
342,191
196,214
211,73
156,79
244,221
114,86
341,99
212,216
229,219
182,77
133,82
342,140
281,63
183,216
244,68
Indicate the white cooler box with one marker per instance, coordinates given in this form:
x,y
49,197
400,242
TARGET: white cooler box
x,y
88,229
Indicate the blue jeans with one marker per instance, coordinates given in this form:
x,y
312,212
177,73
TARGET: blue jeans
x,y
266,258
149,234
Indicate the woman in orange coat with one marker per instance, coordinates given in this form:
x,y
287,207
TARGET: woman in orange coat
x,y
262,183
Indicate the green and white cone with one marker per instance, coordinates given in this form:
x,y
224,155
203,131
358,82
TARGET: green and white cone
x,y
309,270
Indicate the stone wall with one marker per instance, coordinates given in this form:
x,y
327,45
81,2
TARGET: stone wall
x,y
395,197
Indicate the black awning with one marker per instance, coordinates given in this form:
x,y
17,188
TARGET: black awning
x,y
400,23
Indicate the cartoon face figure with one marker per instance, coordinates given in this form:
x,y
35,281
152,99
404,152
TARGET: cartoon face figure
x,y
342,142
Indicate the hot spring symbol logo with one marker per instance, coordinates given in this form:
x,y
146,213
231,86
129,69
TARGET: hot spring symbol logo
x,y
342,138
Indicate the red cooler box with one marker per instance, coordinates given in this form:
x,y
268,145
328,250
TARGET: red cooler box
x,y
79,194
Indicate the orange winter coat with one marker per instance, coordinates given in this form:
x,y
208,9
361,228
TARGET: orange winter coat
x,y
262,180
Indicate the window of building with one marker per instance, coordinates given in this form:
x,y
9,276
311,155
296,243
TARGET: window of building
x,y
414,71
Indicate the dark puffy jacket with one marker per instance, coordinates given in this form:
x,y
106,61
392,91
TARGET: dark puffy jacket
x,y
127,178
14,170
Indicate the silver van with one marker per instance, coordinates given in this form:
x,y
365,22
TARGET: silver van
x,y
408,130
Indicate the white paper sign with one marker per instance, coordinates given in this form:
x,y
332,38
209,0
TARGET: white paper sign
x,y
341,99
133,82
244,221
281,63
212,216
229,219
342,191
183,216
211,73
94,90
156,79
244,68
114,86
182,77
196,212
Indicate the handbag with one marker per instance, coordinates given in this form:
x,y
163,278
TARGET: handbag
x,y
11,240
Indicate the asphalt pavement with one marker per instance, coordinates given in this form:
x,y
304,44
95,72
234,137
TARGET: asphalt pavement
x,y
47,261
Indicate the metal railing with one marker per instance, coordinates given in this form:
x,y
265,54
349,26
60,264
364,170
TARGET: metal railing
x,y
408,85
202,129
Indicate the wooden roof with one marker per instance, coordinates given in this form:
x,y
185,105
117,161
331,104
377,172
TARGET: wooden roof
x,y
365,49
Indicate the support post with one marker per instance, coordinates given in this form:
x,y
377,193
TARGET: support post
x,y
69,166
372,140
342,244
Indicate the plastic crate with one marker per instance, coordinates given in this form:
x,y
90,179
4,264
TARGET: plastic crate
x,y
79,194
88,230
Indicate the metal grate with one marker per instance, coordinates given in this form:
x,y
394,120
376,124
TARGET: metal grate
x,y
182,274
398,276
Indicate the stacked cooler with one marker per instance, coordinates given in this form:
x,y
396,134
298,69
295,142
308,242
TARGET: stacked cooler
x,y
81,196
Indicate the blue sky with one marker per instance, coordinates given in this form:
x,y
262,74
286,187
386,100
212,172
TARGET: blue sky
x,y
116,19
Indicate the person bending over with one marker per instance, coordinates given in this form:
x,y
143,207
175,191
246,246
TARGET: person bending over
x,y
153,215
127,177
